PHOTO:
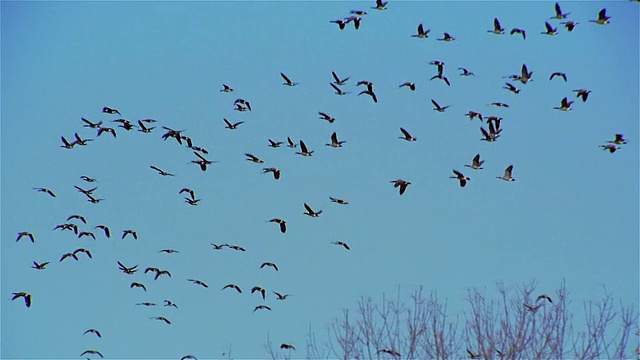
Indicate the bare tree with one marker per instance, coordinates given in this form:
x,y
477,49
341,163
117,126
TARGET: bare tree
x,y
517,324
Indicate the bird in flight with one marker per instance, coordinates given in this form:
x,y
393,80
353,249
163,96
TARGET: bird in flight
x,y
338,90
446,37
87,179
202,161
570,25
402,184
130,232
327,117
226,88
260,290
582,93
476,163
437,107
231,126
544,297
198,282
559,14
334,141
507,174
282,223
66,144
511,88
519,31
45,190
161,318
343,244
619,140
459,176
160,171
422,34
137,284
410,85
287,82
127,270
310,211
466,72
473,114
27,234
281,296
274,266
93,331
92,352
261,307
612,148
287,347
337,79
109,110
276,172
106,230
157,272
565,105
497,29
559,74
232,286
338,201
290,143
253,158
406,136
303,150
602,19
39,266
550,30
22,294
169,251
389,351
275,144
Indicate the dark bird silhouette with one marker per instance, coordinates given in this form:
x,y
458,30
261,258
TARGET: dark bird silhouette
x,y
550,30
231,126
290,143
106,230
86,233
303,150
261,307
157,272
90,124
570,25
389,351
137,284
232,286
79,217
287,347
619,140
280,296
170,303
507,174
22,294
466,72
402,184
282,223
612,148
334,141
473,114
410,85
146,304
127,270
519,31
72,227
492,134
337,79
562,75
473,355
338,201
198,282
369,92
565,105
310,211
356,21
275,144
130,232
532,308
39,266
188,191
381,5
46,191
327,117
544,297
161,318
27,234
125,124
92,352
160,171
511,88
559,14
109,130
202,161
476,163
69,255
111,111
340,23
343,244
437,107
80,141
582,93
87,179
269,264
441,77
169,251
602,19
253,158
497,29
338,90
144,128
287,82
459,176
446,37
93,331
276,172
406,136
243,102
226,88
499,104
422,34
260,290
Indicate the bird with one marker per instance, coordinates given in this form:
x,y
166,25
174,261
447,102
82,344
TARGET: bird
x,y
402,184
602,19
188,191
243,102
446,37
260,290
22,294
79,217
232,286
239,107
274,266
68,255
582,93
550,30
570,25
104,228
612,148
507,174
327,117
531,308
146,304
169,251
236,247
334,141
459,176
619,140
340,23
511,88
130,232
473,114
544,297
80,141
337,79
170,303
338,201
341,243
441,77
280,296
27,234
253,158
439,108
226,88
303,150
473,355
144,128
86,233
497,29
161,318
310,211
39,266
90,124
560,74
218,247
200,149
466,72
519,31
275,144
87,179
109,110
231,126
289,346
559,14
290,143
338,90
261,307
282,223
406,135
389,351
160,171
198,282
188,357
358,12
499,104
276,172
125,124
410,85
422,34
45,190
476,163
93,331
565,105
356,21
157,272
137,284
202,161
370,93
92,352
381,5
287,81
127,270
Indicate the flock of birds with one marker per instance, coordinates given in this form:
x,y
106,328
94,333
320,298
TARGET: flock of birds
x,y
75,223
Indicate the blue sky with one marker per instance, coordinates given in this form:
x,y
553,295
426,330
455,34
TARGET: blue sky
x,y
571,214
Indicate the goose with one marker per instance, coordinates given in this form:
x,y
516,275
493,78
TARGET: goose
x,y
446,37
550,29
261,307
560,74
92,352
287,81
276,172
239,107
338,90
125,124
282,223
274,266
45,190
339,81
476,163
39,266
338,201
289,346
160,171
93,200
525,74
281,296
569,25
198,282
226,88
87,179
188,191
465,72
80,141
334,141
407,136
340,23
511,88
439,108
531,308
358,12
565,105
290,143
86,233
139,285
408,84
497,29
473,114
356,21
262,291
27,234
440,65
93,331
170,303
127,270
422,34
219,247
202,161
232,286
275,144
612,148
389,351
104,228
237,248
341,243
66,144
381,5
79,217
87,191
519,31
111,111
582,93
402,184
144,128
169,251
303,150
619,140
67,226
22,294
507,174
109,130
544,297
459,176
473,355
603,19
161,318
157,272
253,158
130,232
499,104
559,15
68,255
146,304
310,212
187,140
87,252
231,126
90,124
327,117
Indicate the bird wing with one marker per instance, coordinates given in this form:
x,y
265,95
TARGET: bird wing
x,y
303,147
285,78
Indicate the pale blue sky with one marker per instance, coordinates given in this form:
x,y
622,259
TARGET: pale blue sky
x,y
572,213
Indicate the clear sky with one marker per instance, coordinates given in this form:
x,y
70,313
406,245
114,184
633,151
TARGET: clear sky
x,y
571,214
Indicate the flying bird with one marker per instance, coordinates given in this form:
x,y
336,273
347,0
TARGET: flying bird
x,y
602,19
410,85
343,244
497,29
507,174
446,37
565,105
519,31
337,79
22,294
511,88
466,72
93,331
161,318
109,110
275,144
276,172
287,347
422,34
389,351
439,108
160,171
157,272
381,5
226,88
356,21
473,114
274,266
459,176
327,117
287,81
137,284
202,161
338,90
69,255
90,124
281,296
612,148
231,126
260,290
406,136
582,93
92,352
310,211
550,30
253,158
87,179
476,164
79,217
168,251
243,102
340,23
198,282
334,141
303,150
104,228
27,234
39,266
544,297
560,74
570,25
290,143
127,270
559,14
86,233
282,223
619,140
441,77
338,201
130,232
232,286
261,307
46,191
531,308
402,184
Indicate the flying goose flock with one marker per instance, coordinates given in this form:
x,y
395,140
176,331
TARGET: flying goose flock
x,y
264,157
